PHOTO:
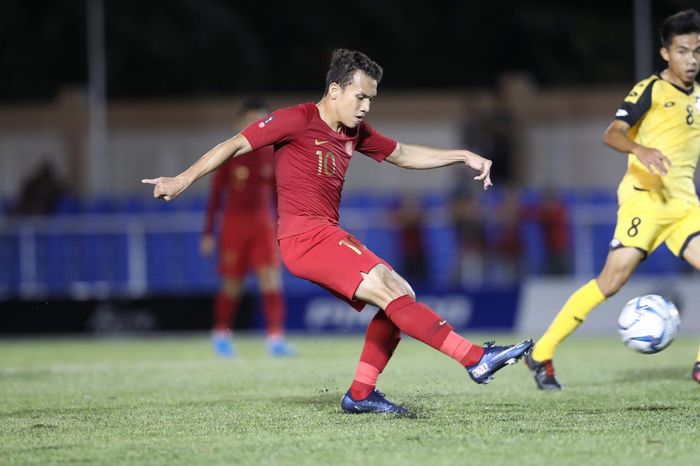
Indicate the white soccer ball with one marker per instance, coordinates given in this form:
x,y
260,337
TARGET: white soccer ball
x,y
648,324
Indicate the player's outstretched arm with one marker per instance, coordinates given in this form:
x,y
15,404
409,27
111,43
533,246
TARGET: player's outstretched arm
x,y
169,188
617,138
422,158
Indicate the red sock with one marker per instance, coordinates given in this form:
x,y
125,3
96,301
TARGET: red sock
x,y
273,308
380,342
225,307
422,323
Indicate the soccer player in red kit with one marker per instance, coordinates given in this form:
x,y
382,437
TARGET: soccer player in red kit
x,y
313,147
246,240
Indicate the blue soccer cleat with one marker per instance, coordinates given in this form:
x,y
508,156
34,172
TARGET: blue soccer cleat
x,y
374,403
223,346
496,358
279,348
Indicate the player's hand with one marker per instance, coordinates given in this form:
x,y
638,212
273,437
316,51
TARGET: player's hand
x,y
207,245
483,166
653,159
167,188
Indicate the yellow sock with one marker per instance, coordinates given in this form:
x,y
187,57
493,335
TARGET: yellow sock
x,y
697,358
575,310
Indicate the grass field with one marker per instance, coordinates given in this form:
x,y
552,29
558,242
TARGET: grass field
x,y
169,401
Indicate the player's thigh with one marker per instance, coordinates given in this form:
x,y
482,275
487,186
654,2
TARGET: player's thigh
x,y
618,268
331,258
381,286
684,235
638,224
233,251
692,252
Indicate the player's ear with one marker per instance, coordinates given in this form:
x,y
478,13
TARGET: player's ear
x,y
333,91
664,54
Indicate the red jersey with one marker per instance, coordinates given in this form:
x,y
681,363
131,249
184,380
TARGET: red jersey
x,y
248,184
311,162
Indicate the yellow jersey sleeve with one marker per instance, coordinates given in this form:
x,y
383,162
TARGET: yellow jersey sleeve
x,y
637,102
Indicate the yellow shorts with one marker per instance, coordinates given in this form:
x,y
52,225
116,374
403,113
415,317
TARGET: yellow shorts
x,y
644,221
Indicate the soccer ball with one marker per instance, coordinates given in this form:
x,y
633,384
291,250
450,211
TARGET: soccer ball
x,y
648,324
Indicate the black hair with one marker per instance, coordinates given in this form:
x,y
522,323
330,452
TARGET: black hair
x,y
683,22
253,103
345,62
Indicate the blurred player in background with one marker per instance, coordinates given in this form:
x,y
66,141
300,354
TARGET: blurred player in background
x,y
245,186
658,126
314,144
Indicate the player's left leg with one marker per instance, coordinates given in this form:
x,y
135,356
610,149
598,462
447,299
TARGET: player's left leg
x,y
270,282
691,253
619,266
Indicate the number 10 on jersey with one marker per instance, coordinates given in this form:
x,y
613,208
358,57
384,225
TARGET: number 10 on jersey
x,y
326,163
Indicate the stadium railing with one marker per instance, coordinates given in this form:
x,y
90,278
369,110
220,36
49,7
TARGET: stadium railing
x,y
135,247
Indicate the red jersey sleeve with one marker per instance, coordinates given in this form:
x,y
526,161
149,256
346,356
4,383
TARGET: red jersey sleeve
x,y
279,126
218,185
374,144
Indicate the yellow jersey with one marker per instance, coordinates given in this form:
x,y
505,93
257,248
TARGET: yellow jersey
x,y
665,117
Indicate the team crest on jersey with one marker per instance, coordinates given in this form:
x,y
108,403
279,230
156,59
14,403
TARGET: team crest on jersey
x,y
697,102
348,147
266,121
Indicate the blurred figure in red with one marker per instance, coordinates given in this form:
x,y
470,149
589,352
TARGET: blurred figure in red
x,y
409,220
508,244
246,240
468,221
553,217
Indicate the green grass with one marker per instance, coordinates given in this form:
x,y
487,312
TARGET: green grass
x,y
169,401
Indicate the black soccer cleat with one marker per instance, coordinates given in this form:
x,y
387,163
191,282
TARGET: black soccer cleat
x,y
543,373
496,358
374,403
696,372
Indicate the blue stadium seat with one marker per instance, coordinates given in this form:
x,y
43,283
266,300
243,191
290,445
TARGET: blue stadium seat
x,y
67,205
99,205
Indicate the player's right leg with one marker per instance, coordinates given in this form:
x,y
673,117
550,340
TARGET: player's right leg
x,y
381,340
619,266
225,306
387,290
270,282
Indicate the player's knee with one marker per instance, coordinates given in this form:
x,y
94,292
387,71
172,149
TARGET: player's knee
x,y
611,283
381,286
394,285
231,287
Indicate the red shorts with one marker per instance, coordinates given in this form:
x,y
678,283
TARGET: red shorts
x,y
332,258
245,244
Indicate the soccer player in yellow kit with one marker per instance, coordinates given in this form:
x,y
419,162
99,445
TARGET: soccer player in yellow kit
x,y
658,126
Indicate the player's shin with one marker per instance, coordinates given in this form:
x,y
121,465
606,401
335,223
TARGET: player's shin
x,y
574,312
224,312
273,308
422,323
381,340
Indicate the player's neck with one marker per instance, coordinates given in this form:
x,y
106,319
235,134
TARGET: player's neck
x,y
328,115
666,75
